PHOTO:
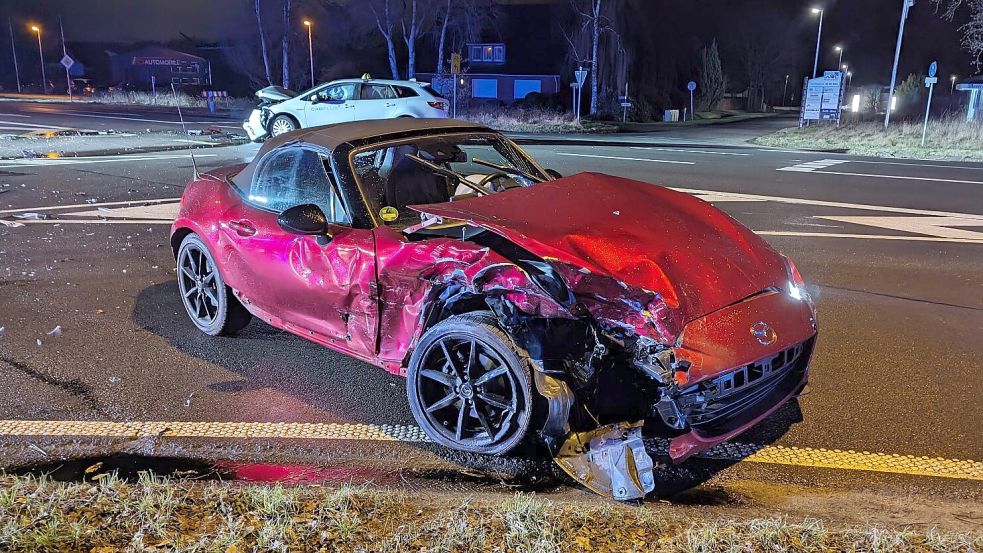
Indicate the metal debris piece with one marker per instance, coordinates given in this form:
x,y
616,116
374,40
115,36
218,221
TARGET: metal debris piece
x,y
31,216
610,460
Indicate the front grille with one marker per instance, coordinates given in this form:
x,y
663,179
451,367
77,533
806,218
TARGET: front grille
x,y
733,399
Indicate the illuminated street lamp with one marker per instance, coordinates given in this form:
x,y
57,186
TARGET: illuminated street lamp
x,y
849,77
952,88
840,50
310,48
819,39
44,79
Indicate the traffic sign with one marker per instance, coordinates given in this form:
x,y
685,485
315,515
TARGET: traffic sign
x,y
581,76
67,61
933,69
929,81
691,86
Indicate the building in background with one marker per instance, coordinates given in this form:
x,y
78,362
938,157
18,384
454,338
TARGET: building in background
x,y
490,78
973,85
158,66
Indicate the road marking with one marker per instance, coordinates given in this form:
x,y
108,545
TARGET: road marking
x,y
813,166
99,204
736,451
47,162
32,126
940,227
628,158
13,115
688,151
823,203
142,120
918,164
189,141
867,236
816,167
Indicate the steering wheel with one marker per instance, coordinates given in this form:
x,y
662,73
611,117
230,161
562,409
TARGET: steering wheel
x,y
489,178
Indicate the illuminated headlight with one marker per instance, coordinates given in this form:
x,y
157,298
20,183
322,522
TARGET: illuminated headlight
x,y
796,284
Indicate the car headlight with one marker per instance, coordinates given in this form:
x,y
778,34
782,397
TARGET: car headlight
x,y
796,285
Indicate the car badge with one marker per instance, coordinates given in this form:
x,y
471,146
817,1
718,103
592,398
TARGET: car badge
x,y
764,334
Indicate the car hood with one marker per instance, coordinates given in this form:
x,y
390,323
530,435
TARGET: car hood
x,y
275,94
690,255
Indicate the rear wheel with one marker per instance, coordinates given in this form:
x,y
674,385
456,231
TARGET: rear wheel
x,y
282,124
468,388
209,302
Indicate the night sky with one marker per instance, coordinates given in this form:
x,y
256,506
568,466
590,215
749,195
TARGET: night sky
x,y
866,28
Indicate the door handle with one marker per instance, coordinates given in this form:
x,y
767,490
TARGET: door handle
x,y
390,105
243,227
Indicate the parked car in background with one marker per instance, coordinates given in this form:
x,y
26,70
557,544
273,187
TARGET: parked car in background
x,y
341,101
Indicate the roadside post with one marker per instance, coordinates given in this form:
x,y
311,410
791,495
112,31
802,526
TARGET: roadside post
x,y
455,71
581,76
68,62
930,83
691,86
625,104
153,85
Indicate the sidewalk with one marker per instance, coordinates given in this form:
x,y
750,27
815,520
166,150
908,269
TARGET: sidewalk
x,y
39,146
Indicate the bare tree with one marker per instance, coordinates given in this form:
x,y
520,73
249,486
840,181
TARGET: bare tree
x,y
712,81
385,23
593,24
972,31
285,43
410,36
262,42
442,40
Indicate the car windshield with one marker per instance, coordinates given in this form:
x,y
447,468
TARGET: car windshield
x,y
437,169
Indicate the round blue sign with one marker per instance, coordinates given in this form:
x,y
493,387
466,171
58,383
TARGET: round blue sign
x,y
691,86
933,69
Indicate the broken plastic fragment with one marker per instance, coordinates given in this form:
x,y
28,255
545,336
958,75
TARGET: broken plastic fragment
x,y
610,460
32,216
54,331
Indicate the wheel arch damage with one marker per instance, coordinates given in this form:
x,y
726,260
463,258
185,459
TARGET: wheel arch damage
x,y
563,340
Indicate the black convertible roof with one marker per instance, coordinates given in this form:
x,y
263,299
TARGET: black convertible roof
x,y
332,136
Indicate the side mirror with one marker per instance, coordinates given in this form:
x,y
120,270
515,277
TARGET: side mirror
x,y
306,220
554,173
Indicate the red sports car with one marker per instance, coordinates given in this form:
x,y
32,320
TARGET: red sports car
x,y
520,306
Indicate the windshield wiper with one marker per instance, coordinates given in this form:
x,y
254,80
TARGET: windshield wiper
x,y
507,170
437,169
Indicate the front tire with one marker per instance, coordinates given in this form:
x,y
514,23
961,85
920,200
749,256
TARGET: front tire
x,y
282,124
468,387
210,304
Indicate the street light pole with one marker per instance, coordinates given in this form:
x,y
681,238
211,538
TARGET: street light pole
x,y
310,49
44,79
819,39
905,4
785,90
840,50
952,88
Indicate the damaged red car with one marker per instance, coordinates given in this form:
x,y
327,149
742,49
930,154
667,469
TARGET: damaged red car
x,y
521,306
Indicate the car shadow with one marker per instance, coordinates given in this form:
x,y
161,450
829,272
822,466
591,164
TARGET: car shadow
x,y
346,389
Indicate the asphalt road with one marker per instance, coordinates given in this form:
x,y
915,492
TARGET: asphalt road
x,y
20,116
92,329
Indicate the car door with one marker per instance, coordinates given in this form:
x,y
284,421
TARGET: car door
x,y
332,104
376,101
323,291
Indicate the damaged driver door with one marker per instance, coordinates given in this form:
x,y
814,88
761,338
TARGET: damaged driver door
x,y
320,287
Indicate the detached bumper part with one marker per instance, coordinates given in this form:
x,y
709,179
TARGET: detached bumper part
x,y
610,461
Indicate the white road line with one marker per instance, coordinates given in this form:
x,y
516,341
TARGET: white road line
x,y
13,115
628,158
870,175
102,204
688,151
33,126
918,164
142,120
940,227
868,236
822,203
49,162
813,166
193,141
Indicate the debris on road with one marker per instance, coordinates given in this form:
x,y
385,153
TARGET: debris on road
x,y
54,331
32,216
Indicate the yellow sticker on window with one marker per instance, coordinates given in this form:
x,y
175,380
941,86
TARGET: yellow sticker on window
x,y
388,214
